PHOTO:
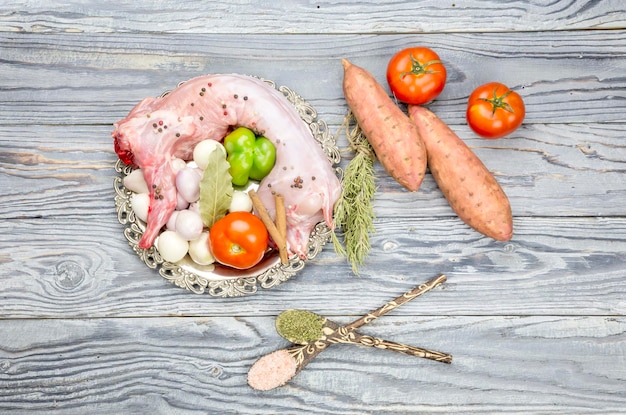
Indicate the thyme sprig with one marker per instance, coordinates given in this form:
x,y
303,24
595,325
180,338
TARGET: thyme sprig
x,y
354,211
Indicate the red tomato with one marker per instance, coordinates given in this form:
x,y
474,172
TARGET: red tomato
x,y
238,240
493,110
416,75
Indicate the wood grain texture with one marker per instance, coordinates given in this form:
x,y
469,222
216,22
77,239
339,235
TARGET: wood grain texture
x,y
199,365
306,16
70,79
82,265
559,170
536,325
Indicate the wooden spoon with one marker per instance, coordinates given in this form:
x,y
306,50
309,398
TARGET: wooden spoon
x,y
331,332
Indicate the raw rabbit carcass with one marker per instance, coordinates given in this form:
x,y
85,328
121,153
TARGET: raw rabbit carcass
x,y
159,130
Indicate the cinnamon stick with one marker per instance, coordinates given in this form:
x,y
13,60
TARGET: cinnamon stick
x,y
281,215
281,243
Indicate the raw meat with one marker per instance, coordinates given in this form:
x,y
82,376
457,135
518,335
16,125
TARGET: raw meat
x,y
159,129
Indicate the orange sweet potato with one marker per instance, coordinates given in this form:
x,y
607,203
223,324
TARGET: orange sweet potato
x,y
470,188
393,136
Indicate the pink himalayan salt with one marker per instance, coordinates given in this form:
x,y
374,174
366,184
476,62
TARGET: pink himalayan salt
x,y
272,370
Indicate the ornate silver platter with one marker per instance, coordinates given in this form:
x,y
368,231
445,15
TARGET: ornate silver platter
x,y
215,279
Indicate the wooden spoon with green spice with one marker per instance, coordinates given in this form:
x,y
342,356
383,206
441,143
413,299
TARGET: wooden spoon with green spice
x,y
302,327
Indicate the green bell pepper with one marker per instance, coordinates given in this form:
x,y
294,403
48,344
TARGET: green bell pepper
x,y
249,156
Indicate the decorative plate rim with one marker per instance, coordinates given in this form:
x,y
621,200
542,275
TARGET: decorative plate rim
x,y
189,276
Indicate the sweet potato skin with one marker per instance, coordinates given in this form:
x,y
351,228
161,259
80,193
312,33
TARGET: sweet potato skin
x,y
394,138
470,188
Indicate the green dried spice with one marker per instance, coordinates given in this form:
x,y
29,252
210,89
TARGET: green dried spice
x,y
299,326
354,211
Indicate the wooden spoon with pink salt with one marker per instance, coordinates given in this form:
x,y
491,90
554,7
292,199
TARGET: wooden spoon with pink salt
x,y
279,367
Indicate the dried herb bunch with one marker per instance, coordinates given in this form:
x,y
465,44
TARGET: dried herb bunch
x,y
354,212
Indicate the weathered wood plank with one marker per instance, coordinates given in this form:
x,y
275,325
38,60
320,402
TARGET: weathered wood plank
x,y
564,77
82,266
306,16
558,170
199,365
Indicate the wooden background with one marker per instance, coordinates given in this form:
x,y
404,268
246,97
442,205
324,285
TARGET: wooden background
x,y
536,325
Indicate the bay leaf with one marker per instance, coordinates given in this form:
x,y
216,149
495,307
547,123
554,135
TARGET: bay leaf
x,y
216,188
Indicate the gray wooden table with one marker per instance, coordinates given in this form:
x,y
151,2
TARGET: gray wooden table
x,y
536,324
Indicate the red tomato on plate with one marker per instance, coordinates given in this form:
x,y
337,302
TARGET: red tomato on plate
x,y
238,240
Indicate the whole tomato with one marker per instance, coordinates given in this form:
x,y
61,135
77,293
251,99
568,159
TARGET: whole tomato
x,y
493,110
416,75
238,240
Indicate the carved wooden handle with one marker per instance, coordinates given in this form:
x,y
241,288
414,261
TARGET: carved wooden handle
x,y
393,304
354,337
